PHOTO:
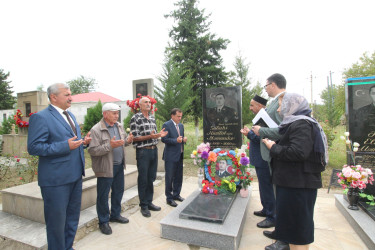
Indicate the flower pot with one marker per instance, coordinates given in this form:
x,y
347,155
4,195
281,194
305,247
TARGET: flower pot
x,y
244,192
353,197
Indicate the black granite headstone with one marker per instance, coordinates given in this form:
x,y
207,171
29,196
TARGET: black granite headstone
x,y
209,208
222,120
360,113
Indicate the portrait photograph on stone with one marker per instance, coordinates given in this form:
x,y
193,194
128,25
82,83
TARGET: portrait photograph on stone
x,y
222,119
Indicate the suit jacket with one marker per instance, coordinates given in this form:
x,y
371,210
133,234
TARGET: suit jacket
x,y
48,138
270,133
172,149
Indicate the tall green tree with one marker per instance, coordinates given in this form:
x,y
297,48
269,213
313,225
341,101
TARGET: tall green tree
x,y
366,67
82,85
175,89
240,77
93,116
195,49
334,104
7,100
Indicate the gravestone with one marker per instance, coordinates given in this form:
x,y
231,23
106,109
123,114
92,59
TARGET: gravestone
x,y
143,87
360,113
222,119
209,208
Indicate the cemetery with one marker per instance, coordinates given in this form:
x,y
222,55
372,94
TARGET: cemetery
x,y
220,218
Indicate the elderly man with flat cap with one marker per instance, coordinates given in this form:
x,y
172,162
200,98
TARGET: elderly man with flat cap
x,y
266,192
107,153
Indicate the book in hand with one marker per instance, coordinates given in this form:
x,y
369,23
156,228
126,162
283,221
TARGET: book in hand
x,y
264,120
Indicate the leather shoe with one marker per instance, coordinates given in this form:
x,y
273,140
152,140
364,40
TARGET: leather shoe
x,y
105,228
119,219
269,234
260,213
178,198
172,203
266,223
152,207
278,245
145,212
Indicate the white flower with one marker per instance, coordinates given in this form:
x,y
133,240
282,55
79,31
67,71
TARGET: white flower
x,y
356,144
347,142
355,149
342,138
346,133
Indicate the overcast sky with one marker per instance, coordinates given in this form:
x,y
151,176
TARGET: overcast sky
x,y
116,42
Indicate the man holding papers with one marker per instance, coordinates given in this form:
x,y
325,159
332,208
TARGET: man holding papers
x,y
267,196
276,85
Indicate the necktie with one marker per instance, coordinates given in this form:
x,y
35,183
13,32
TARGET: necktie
x,y
70,122
178,131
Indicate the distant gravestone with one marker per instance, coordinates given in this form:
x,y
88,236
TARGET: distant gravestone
x,y
143,87
222,118
360,113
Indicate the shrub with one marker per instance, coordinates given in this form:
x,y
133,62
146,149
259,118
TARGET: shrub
x,y
94,115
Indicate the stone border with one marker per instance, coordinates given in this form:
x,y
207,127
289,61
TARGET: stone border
x,y
362,224
206,234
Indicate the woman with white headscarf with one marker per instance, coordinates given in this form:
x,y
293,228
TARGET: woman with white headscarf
x,y
298,159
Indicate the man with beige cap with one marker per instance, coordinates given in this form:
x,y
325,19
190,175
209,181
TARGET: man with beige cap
x,y
107,151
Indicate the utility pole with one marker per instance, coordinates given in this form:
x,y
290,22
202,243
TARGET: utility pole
x,y
312,100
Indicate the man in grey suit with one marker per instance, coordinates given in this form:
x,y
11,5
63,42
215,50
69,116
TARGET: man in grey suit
x,y
276,85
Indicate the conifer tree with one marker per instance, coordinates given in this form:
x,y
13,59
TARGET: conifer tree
x,y
6,99
195,49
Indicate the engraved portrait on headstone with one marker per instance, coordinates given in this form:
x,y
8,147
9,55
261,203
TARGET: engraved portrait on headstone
x,y
141,88
222,117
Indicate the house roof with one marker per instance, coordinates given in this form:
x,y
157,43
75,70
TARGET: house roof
x,y
94,97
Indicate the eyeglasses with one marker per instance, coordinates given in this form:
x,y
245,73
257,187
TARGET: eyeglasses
x,y
265,86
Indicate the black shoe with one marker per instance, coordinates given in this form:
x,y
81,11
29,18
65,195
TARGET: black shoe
x,y
278,245
178,198
269,234
105,228
266,223
152,207
172,203
260,213
145,212
119,219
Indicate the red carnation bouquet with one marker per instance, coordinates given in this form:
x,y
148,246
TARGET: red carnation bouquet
x,y
134,104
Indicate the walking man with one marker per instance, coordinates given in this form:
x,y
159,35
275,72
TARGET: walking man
x,y
173,156
107,151
143,128
54,135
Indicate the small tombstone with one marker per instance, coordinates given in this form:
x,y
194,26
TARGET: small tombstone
x,y
143,87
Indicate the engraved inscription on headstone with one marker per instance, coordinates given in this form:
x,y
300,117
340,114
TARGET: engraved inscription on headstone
x,y
222,118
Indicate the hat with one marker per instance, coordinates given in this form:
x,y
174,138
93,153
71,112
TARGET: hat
x,y
110,107
260,100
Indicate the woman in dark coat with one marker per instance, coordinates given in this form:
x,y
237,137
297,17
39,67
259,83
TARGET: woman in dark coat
x,y
298,159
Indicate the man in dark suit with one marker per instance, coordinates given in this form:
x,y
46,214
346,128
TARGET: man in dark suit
x,y
54,135
173,156
267,196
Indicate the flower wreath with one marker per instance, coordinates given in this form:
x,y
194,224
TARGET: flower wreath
x,y
134,104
